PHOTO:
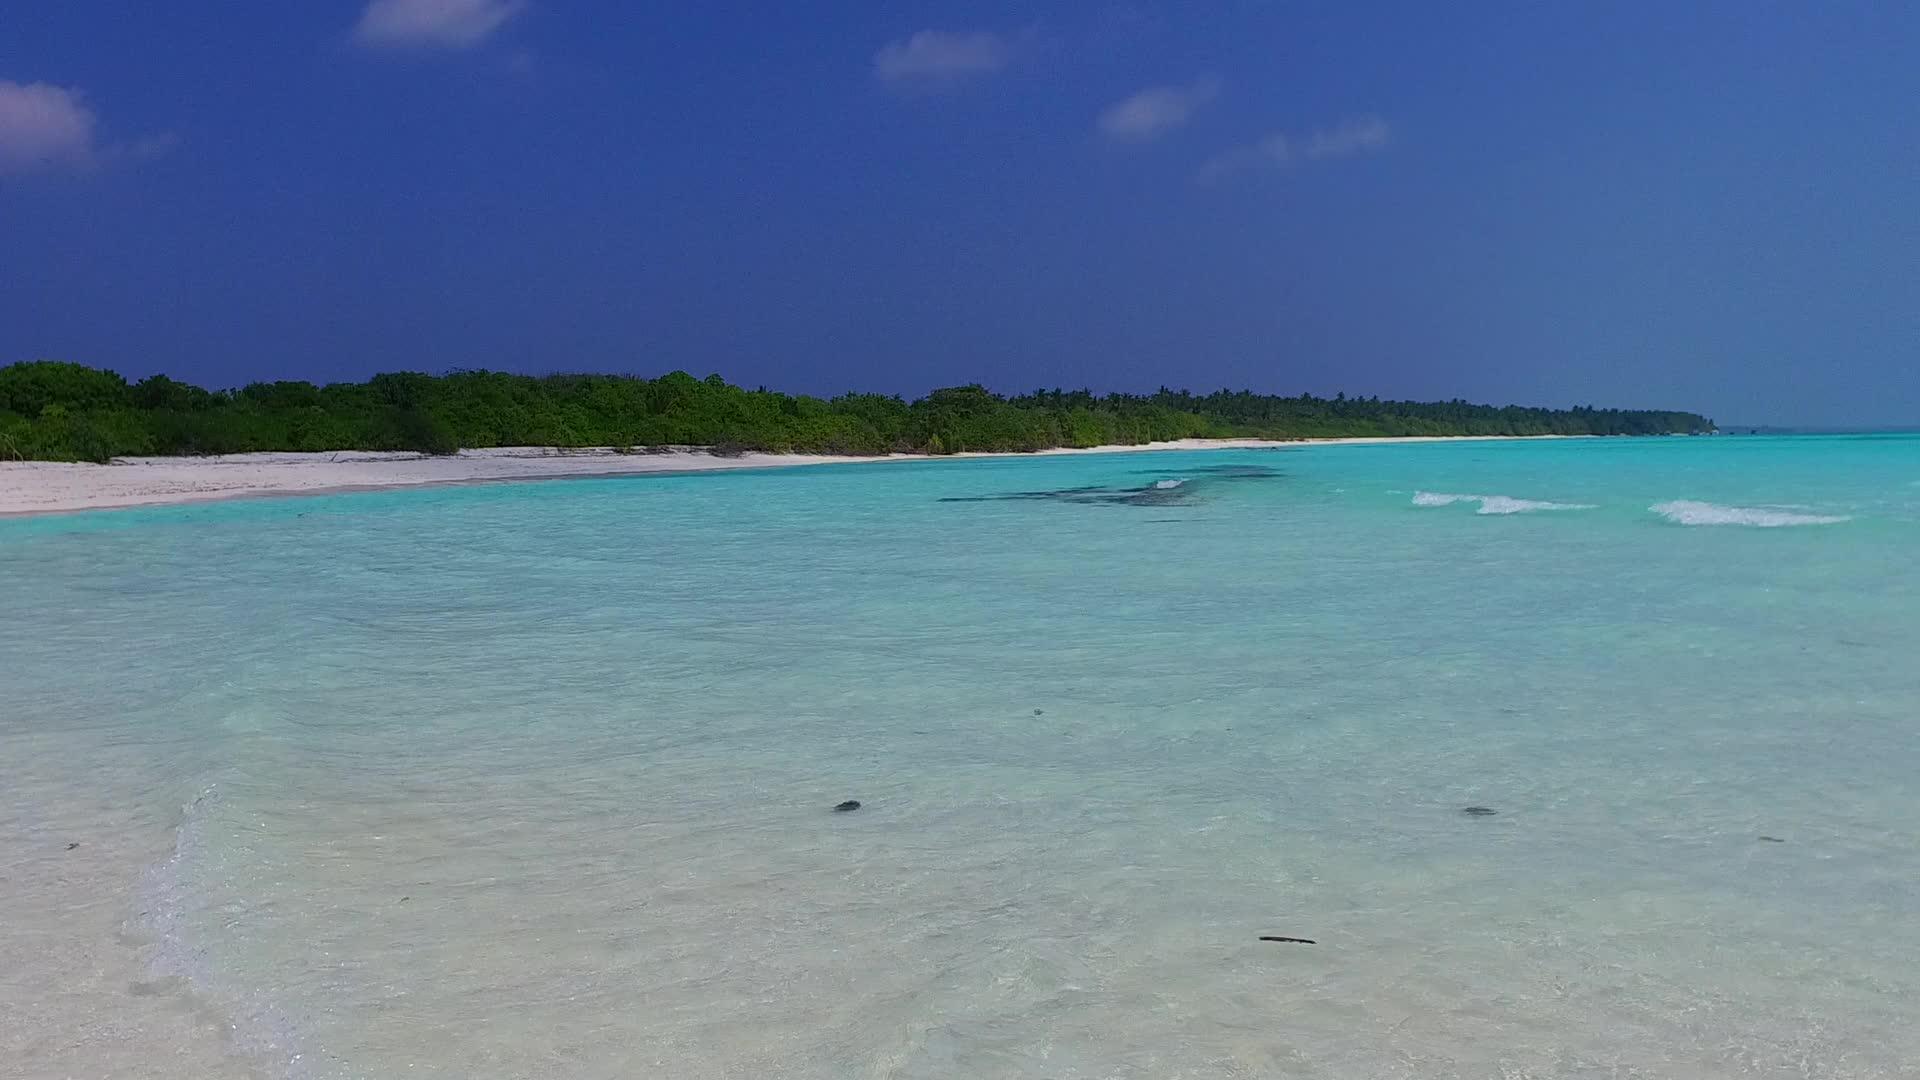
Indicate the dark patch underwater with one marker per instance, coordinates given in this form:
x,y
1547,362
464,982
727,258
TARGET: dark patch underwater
x,y
1168,490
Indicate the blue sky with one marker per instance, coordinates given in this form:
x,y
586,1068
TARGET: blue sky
x,y
1712,206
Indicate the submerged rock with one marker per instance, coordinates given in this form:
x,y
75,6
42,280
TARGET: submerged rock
x,y
847,807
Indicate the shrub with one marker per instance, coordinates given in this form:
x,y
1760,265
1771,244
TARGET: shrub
x,y
30,388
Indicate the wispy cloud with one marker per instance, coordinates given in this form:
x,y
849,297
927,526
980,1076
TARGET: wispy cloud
x,y
1360,135
940,58
1157,110
1363,135
45,128
433,24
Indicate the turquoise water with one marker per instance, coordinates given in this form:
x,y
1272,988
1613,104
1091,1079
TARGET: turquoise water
x,y
536,780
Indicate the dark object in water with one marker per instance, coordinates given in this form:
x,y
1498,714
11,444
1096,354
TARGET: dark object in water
x,y
1072,494
1479,811
1773,840
1038,712
1231,472
73,845
848,806
1289,940
1167,492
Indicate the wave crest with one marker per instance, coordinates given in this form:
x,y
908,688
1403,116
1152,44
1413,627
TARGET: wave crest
x,y
1494,504
1690,512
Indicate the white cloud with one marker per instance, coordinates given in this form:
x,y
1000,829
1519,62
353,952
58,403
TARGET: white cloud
x,y
441,24
44,127
1153,112
146,147
1364,135
1361,135
936,57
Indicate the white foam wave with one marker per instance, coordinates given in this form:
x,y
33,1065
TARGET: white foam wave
x,y
1689,512
166,900
1494,504
170,906
1167,485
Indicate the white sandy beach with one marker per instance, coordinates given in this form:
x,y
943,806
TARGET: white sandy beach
x,y
48,487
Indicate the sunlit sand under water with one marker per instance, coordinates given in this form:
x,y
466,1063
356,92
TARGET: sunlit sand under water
x,y
539,780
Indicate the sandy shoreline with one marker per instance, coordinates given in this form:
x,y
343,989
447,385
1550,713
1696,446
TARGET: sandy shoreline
x,y
55,487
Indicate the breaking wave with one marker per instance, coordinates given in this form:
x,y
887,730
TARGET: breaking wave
x,y
1688,512
1494,504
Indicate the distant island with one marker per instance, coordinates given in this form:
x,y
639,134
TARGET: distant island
x,y
54,411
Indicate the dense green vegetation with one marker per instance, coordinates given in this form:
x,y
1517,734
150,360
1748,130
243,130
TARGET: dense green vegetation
x,y
61,411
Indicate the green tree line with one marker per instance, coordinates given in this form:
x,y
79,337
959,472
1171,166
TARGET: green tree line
x,y
70,412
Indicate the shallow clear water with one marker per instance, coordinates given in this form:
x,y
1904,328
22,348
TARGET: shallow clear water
x,y
536,780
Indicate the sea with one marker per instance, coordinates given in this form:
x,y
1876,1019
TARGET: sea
x,y
1559,759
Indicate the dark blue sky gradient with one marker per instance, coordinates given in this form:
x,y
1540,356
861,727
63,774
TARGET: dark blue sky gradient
x,y
1712,206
